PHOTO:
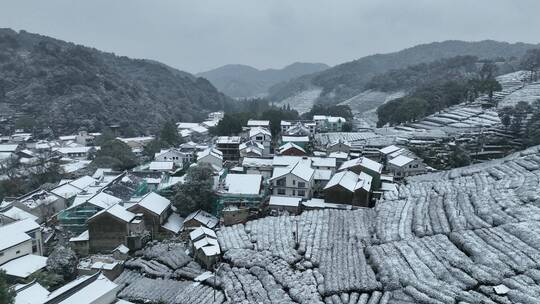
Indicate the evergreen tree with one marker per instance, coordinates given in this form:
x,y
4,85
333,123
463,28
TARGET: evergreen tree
x,y
169,135
7,294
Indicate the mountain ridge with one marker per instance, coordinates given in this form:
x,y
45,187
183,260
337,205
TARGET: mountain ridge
x,y
348,79
67,87
241,81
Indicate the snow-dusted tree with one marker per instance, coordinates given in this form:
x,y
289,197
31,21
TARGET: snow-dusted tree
x,y
63,261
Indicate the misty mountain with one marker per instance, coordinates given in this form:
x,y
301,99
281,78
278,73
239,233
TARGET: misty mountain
x,y
238,80
349,79
64,86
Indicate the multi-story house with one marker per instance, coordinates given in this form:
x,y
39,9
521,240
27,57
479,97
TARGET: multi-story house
x,y
294,180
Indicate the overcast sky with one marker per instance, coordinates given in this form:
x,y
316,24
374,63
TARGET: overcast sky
x,y
198,35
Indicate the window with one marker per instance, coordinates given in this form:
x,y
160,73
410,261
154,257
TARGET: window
x,y
301,185
1,254
259,138
294,192
281,182
294,182
301,193
281,191
17,252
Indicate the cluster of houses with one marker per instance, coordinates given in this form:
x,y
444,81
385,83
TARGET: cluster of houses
x,y
108,215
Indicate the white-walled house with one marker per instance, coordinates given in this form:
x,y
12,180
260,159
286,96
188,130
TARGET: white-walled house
x,y
262,136
178,157
294,180
20,238
403,166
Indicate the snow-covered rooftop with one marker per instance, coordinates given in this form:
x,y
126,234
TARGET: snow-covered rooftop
x,y
174,223
203,217
32,293
18,214
117,211
254,131
88,289
284,201
288,146
400,160
24,266
84,236
303,139
364,162
249,184
161,165
350,181
389,149
258,123
257,162
155,203
200,232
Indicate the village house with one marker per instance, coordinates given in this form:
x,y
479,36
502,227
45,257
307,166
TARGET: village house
x,y
347,187
338,146
114,226
179,158
301,141
82,152
11,214
403,166
84,206
193,127
229,147
241,190
366,165
323,163
205,246
340,157
200,218
329,123
251,148
161,166
8,151
280,204
294,180
262,136
155,210
298,127
258,123
20,238
40,203
291,149
212,157
87,289
262,166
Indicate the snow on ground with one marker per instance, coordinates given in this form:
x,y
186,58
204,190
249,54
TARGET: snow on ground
x,y
302,101
529,94
468,235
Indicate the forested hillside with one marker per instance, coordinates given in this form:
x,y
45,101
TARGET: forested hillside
x,y
238,80
349,79
49,82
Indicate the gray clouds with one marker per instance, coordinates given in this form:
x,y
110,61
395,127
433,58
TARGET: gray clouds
x,y
199,35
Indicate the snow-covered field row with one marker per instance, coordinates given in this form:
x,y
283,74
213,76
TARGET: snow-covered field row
x,y
458,118
446,237
165,273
